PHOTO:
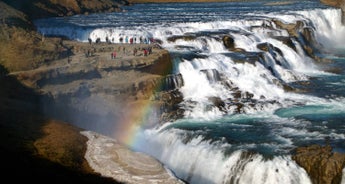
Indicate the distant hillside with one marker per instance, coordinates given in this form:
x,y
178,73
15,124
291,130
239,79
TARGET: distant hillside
x,y
51,8
337,3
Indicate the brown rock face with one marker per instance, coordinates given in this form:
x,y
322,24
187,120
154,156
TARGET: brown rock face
x,y
322,164
292,29
21,47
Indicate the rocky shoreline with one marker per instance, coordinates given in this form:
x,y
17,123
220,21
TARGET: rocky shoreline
x,y
49,81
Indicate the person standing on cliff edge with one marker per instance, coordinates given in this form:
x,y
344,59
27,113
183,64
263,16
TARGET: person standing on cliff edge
x,y
113,55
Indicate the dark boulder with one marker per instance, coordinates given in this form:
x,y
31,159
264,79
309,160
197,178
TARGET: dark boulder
x,y
264,46
267,47
287,41
218,102
229,42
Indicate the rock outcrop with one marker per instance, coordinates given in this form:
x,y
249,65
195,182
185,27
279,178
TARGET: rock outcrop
x,y
322,164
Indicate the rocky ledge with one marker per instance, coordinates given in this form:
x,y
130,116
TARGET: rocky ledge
x,y
90,86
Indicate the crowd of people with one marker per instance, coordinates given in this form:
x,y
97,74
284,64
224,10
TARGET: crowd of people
x,y
139,50
125,39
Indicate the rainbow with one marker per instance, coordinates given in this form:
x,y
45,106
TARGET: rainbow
x,y
137,115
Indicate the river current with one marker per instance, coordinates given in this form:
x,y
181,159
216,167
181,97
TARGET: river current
x,y
210,144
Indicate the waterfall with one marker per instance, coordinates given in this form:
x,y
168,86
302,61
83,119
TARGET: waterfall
x,y
211,162
243,113
328,28
198,161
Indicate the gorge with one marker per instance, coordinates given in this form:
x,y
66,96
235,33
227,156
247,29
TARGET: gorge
x,y
82,90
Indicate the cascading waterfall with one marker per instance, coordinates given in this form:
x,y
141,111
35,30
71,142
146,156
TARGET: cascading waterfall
x,y
206,161
259,119
329,30
200,161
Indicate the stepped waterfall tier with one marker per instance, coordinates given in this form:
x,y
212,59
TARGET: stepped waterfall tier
x,y
253,81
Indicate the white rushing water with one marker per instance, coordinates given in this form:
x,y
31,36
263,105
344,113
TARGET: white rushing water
x,y
200,161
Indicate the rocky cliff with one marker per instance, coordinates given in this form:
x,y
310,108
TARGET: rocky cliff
x,y
21,47
37,147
